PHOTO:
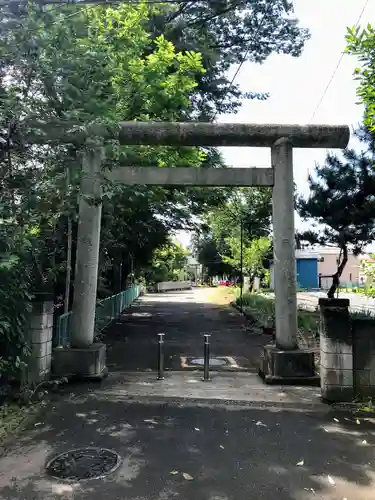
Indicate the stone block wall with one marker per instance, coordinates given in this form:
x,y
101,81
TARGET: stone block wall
x,y
347,352
40,340
336,350
364,356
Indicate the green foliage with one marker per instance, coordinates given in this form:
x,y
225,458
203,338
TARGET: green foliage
x,y
368,269
168,263
15,278
88,66
261,308
254,255
220,242
361,43
83,66
341,206
226,35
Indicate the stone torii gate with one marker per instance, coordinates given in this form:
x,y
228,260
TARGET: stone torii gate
x,y
280,361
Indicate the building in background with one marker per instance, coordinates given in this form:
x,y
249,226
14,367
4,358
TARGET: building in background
x,y
315,267
327,266
307,273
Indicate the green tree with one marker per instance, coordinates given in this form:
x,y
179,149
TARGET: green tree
x,y
250,207
205,248
255,255
168,263
227,34
341,206
92,65
361,43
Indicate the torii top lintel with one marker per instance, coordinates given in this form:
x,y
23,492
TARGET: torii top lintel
x,y
232,134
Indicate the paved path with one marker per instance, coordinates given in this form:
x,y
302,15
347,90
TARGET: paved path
x,y
184,439
229,451
184,317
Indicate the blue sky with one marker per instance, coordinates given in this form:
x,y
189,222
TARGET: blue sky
x,y
296,85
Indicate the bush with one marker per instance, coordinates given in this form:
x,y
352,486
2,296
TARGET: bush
x,y
262,309
14,306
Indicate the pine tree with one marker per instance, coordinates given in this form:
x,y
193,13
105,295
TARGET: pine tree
x,y
341,204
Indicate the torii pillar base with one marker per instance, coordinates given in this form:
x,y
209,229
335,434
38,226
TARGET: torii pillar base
x,y
294,367
82,363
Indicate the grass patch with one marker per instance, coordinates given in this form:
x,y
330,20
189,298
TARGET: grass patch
x,y
261,308
14,417
222,295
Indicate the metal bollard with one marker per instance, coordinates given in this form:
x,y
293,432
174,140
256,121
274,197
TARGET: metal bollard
x,y
206,369
161,356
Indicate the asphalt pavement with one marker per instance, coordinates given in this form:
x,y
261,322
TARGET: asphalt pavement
x,y
138,438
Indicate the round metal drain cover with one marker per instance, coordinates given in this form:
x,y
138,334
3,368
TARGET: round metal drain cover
x,y
213,361
83,463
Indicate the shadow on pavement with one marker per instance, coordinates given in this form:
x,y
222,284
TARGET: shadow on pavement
x,y
132,339
230,453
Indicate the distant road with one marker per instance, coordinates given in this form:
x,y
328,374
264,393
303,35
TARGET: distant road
x,y
358,301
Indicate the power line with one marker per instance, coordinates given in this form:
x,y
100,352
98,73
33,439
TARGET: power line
x,y
244,57
336,68
98,2
55,21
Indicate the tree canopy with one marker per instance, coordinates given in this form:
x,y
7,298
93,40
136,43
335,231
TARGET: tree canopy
x,y
219,249
86,65
361,43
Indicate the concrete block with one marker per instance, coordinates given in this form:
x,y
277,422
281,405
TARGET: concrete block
x,y
39,368
336,361
40,320
331,346
39,350
332,376
40,335
278,366
337,393
45,364
81,363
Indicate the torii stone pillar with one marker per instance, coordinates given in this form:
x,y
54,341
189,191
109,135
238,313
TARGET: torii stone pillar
x,y
87,254
85,359
280,361
284,245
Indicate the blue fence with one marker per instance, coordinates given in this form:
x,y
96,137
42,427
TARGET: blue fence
x,y
106,311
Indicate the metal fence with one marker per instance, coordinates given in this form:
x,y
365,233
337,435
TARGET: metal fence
x,y
106,311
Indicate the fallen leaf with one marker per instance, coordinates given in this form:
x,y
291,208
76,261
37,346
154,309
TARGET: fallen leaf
x,y
196,429
336,420
325,430
260,424
222,447
187,476
331,480
364,441
174,472
300,463
38,423
150,421
357,421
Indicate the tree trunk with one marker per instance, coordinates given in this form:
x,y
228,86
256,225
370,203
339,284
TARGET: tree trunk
x,y
251,282
338,273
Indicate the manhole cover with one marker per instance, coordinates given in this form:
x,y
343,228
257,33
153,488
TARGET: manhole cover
x,y
213,361
83,463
